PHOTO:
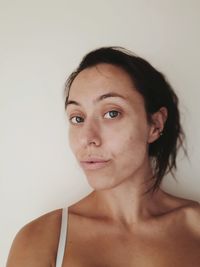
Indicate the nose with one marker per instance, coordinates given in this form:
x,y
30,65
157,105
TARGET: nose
x,y
91,134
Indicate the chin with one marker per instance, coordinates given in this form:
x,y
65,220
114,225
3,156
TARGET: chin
x,y
97,185
102,183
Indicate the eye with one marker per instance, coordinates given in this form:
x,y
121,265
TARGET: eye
x,y
76,119
112,114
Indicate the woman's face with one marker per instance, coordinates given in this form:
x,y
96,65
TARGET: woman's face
x,y
108,126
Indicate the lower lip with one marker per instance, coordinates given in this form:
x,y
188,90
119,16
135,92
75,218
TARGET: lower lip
x,y
94,165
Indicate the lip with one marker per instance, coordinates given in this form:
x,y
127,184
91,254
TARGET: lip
x,y
93,164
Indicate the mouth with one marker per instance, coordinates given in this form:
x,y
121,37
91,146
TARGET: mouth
x,y
93,165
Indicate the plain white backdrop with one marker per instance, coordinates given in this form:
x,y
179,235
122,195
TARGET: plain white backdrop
x,y
41,42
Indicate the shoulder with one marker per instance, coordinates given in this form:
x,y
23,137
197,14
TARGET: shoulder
x,y
181,212
192,215
36,243
187,215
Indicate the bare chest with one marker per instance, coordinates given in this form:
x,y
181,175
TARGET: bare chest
x,y
93,247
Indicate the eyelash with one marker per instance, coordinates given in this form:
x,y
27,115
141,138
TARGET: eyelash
x,y
119,113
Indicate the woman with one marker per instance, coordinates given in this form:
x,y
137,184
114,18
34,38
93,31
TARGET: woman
x,y
125,132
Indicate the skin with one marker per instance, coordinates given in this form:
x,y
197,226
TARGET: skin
x,y
117,224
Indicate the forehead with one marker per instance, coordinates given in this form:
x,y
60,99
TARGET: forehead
x,y
101,75
101,79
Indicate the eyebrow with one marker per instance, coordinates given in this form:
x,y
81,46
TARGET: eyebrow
x,y
98,99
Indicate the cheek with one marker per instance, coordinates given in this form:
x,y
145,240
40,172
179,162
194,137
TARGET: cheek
x,y
129,146
72,140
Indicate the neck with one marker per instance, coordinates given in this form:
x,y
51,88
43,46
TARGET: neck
x,y
127,203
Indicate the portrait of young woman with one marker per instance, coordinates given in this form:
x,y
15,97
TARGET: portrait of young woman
x,y
125,133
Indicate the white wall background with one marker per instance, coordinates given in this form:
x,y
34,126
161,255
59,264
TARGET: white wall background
x,y
41,42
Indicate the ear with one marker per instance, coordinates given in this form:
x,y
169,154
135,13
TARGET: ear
x,y
158,120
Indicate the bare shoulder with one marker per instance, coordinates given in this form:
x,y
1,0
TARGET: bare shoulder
x,y
192,212
182,210
36,243
188,211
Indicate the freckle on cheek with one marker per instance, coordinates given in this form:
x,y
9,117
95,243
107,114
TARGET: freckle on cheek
x,y
130,138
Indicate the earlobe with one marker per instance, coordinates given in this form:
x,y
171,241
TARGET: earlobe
x,y
157,125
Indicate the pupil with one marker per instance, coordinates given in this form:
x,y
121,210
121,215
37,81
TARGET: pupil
x,y
113,113
79,119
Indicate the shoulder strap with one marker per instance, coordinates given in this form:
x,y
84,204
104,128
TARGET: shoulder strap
x,y
63,238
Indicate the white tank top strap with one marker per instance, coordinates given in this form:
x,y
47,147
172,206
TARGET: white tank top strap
x,y
63,238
